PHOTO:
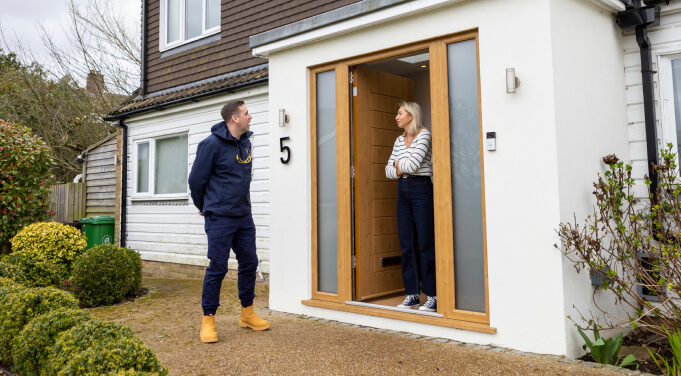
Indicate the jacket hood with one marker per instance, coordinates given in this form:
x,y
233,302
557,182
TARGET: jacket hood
x,y
220,130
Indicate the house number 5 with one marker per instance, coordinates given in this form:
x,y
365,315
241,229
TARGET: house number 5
x,y
285,149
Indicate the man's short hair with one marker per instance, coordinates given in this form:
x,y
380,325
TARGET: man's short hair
x,y
230,109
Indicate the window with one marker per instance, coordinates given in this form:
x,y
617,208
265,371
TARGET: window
x,y
184,21
669,103
161,167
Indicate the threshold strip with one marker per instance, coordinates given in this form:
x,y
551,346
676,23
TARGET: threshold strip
x,y
397,309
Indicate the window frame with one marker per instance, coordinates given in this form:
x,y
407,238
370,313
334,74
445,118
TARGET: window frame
x,y
164,45
150,195
666,112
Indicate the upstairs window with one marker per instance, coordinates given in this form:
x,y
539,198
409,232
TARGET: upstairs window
x,y
184,21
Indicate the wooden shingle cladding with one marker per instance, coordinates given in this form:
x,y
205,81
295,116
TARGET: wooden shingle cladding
x,y
239,20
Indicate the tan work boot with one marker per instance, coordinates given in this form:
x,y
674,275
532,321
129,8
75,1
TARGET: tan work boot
x,y
208,333
250,319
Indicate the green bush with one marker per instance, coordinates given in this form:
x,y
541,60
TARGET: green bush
x,y
30,348
12,272
105,274
56,242
25,180
99,348
19,305
35,271
6,282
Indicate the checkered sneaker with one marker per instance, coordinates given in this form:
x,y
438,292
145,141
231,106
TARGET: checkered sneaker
x,y
411,301
430,305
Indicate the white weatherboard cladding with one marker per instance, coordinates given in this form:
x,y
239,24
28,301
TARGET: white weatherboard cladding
x,y
523,201
665,40
590,123
173,231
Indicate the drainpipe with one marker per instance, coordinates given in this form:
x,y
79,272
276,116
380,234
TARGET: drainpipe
x,y
647,74
639,17
124,182
143,55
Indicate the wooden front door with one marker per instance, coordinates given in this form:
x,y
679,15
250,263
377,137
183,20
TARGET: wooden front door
x,y
378,265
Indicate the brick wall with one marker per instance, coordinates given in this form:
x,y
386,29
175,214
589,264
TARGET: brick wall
x,y
156,269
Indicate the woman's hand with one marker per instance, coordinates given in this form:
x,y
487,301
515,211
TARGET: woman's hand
x,y
397,169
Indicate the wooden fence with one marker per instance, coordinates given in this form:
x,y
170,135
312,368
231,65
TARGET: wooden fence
x,y
68,201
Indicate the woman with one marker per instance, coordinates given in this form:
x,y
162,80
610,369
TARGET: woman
x,y
412,165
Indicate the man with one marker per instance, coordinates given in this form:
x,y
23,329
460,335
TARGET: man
x,y
220,183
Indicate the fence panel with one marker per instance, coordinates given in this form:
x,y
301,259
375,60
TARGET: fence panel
x,y
68,201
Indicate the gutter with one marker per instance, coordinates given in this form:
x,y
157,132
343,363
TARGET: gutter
x,y
639,17
193,98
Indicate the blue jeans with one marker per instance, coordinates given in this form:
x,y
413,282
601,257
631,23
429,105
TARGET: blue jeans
x,y
416,229
225,233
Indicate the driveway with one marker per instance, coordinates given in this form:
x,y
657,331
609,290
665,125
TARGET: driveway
x,y
169,317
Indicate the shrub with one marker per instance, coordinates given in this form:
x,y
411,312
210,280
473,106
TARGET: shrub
x,y
105,274
19,305
637,241
56,242
11,271
101,347
35,271
25,180
30,348
6,282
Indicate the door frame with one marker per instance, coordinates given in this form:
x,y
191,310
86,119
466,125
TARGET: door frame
x,y
452,317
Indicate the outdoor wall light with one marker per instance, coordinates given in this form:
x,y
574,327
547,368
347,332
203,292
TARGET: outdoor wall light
x,y
512,82
283,118
81,157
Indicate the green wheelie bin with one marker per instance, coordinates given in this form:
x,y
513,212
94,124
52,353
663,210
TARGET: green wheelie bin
x,y
99,230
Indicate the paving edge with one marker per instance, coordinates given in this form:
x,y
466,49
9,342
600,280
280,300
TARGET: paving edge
x,y
489,347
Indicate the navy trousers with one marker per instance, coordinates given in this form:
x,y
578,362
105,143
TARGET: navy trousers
x,y
416,229
225,233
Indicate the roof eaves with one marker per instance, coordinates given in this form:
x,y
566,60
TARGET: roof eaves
x,y
217,84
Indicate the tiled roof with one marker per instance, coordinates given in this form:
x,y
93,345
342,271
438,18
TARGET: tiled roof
x,y
242,77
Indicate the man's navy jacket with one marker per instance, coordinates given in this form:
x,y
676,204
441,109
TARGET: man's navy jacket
x,y
220,179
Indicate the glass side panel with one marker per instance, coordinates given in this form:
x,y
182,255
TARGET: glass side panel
x,y
173,18
464,128
676,77
193,14
327,246
170,174
212,13
143,167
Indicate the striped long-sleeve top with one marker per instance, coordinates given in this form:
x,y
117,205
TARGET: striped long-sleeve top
x,y
417,160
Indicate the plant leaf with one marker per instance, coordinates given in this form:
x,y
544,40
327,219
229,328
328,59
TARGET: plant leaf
x,y
628,360
589,344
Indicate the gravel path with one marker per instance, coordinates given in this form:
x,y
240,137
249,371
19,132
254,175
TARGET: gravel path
x,y
169,317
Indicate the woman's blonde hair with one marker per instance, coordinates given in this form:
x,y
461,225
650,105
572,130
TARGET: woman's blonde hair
x,y
414,110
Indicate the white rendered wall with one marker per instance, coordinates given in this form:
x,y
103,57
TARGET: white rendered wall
x,y
590,123
521,177
173,231
665,40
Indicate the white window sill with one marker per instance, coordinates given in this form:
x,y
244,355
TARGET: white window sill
x,y
175,45
180,196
